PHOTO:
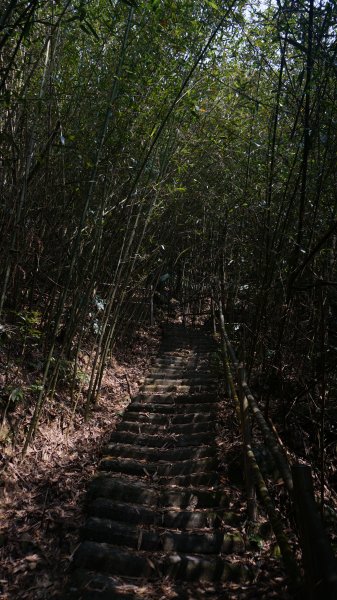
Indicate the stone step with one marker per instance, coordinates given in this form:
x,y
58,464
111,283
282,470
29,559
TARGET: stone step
x,y
187,336
179,342
169,428
183,388
169,419
177,371
174,519
192,372
161,540
175,399
87,585
178,329
167,368
192,497
162,441
160,469
178,379
188,355
174,373
194,479
187,407
102,587
111,559
124,490
155,454
182,363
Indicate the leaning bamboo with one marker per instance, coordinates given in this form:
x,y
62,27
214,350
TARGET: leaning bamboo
x,y
254,471
268,435
243,415
289,560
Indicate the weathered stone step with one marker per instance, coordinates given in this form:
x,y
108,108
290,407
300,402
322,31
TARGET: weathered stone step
x,y
193,497
123,511
171,369
124,490
189,355
180,340
187,335
194,383
198,519
173,372
155,454
109,559
162,441
194,479
160,469
170,419
177,362
175,399
174,519
168,428
87,585
177,329
186,408
178,371
201,350
186,358
161,540
183,388
178,379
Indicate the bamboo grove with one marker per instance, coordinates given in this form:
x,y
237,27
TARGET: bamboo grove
x,y
197,138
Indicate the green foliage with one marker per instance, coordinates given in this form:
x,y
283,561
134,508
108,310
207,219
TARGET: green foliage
x,y
16,395
72,377
30,323
36,388
256,541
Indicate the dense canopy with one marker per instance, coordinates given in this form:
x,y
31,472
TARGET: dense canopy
x,y
191,138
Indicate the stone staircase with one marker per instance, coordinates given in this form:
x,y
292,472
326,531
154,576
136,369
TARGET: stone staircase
x,y
157,510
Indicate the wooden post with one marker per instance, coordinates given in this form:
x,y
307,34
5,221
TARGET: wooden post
x,y
319,562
